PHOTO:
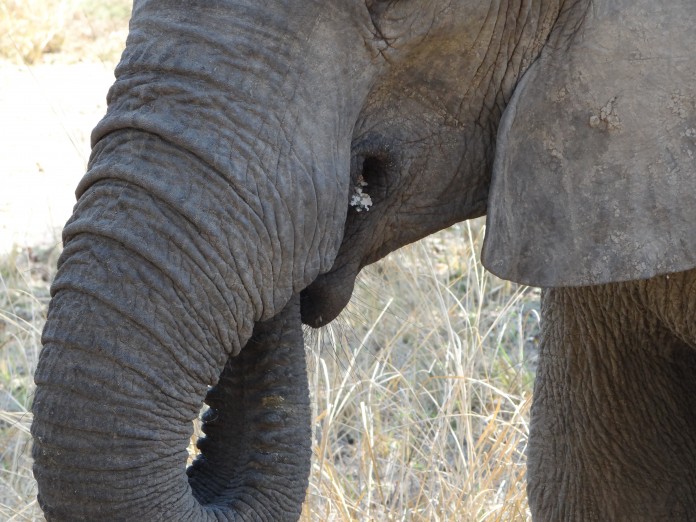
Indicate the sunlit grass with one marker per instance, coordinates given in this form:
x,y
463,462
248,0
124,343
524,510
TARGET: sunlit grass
x,y
422,391
34,30
421,388
24,280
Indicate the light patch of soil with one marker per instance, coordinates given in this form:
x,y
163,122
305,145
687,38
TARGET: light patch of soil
x,y
47,112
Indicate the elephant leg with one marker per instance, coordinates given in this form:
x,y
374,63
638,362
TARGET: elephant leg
x,y
672,299
613,430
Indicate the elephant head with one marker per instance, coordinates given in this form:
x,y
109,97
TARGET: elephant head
x,y
256,155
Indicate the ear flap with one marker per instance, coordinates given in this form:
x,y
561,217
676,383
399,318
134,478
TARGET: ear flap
x,y
595,172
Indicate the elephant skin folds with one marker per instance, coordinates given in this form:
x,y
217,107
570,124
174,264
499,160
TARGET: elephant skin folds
x,y
255,156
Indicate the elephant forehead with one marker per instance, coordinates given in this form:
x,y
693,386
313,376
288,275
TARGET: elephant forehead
x,y
595,170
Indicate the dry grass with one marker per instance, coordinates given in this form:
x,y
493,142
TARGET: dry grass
x,y
63,30
24,280
421,388
422,391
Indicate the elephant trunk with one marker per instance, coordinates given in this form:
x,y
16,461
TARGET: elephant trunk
x,y
171,258
258,427
213,196
148,307
111,430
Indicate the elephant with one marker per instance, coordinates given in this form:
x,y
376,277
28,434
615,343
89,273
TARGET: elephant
x,y
256,155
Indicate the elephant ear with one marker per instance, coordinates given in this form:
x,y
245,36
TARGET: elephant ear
x,y
594,178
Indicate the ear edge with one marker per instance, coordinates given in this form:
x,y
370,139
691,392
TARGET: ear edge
x,y
594,179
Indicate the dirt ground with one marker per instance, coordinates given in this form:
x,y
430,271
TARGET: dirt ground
x,y
47,112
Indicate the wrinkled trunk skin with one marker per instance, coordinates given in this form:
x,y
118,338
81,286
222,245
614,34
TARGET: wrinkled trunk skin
x,y
256,453
613,427
254,459
209,202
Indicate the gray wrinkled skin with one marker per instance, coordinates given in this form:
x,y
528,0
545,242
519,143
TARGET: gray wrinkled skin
x,y
595,172
613,431
256,155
